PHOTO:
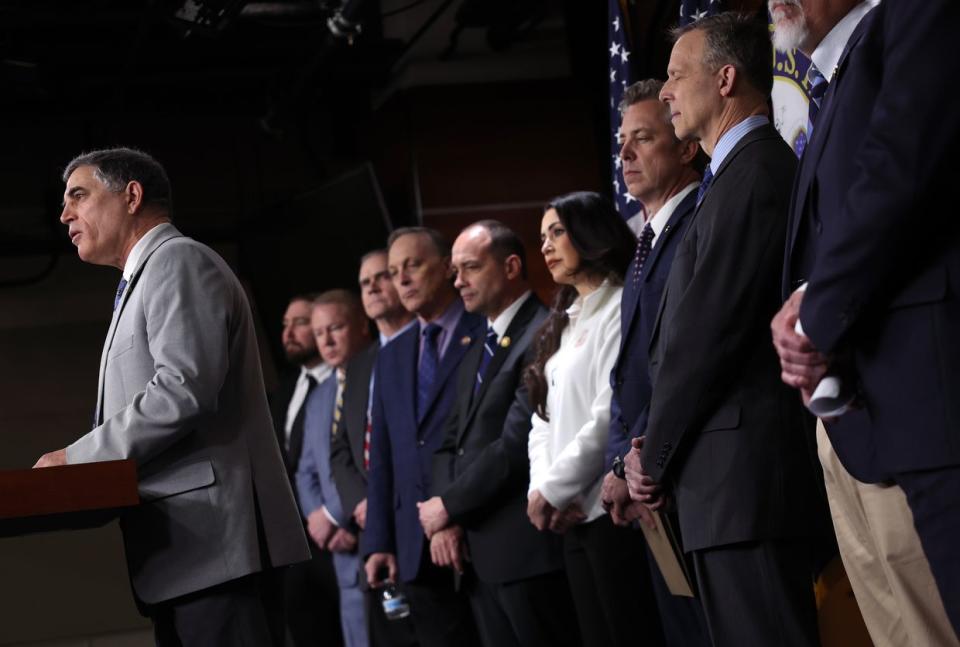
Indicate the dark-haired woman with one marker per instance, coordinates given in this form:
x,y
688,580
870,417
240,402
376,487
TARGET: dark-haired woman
x,y
587,248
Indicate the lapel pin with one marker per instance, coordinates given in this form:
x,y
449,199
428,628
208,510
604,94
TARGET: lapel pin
x,y
505,342
465,341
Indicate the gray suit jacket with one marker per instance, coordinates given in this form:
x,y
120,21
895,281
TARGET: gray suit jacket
x,y
181,392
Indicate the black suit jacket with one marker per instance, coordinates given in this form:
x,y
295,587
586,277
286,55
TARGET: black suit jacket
x,y
482,470
724,432
346,449
884,284
279,402
639,305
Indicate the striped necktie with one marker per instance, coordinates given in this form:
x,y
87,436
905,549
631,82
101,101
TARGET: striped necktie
x,y
704,184
817,85
489,348
338,407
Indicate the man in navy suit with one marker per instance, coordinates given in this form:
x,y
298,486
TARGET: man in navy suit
x,y
482,469
415,385
881,259
662,172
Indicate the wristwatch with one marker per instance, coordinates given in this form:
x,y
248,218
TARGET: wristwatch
x,y
618,468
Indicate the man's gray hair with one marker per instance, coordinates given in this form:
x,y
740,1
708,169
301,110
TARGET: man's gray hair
x,y
736,39
437,240
116,167
645,90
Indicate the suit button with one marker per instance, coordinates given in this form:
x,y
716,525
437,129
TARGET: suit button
x,y
460,452
660,462
624,426
421,443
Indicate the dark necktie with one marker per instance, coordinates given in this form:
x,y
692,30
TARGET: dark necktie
x,y
644,245
817,88
120,288
704,184
295,439
489,348
429,362
338,406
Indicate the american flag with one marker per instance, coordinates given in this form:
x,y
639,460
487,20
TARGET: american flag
x,y
622,71
621,75
694,10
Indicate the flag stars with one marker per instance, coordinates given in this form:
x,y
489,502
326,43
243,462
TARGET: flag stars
x,y
617,162
614,50
629,198
616,24
624,55
613,75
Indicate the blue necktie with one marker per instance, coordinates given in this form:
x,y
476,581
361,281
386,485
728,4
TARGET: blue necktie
x,y
704,184
644,245
120,288
489,348
429,361
817,88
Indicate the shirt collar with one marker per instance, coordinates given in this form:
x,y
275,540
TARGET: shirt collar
x,y
827,54
662,216
732,137
133,258
320,372
384,339
590,302
503,320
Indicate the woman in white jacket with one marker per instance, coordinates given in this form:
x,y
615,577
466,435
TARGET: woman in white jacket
x,y
587,248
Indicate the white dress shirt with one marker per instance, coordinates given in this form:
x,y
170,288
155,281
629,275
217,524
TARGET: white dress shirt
x,y
320,372
566,453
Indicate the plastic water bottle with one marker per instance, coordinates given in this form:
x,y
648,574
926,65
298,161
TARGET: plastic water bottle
x,y
395,605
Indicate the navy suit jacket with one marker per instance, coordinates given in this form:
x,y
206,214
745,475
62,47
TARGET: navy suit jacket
x,y
884,273
402,448
630,377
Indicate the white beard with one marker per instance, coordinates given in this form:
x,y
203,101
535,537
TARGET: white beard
x,y
790,32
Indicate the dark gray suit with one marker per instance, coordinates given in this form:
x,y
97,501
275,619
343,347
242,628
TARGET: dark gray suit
x,y
725,435
481,473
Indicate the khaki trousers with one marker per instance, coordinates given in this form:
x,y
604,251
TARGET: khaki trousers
x,y
881,552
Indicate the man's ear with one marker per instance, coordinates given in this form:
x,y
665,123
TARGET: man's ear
x,y
513,267
134,196
727,79
688,150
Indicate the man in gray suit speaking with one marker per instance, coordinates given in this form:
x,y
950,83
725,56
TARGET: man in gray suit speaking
x,y
181,393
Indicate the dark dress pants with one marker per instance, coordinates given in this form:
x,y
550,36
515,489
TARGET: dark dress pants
x,y
934,499
533,612
758,593
441,614
683,622
231,614
610,584
383,631
311,601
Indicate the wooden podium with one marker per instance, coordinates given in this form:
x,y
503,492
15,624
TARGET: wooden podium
x,y
65,498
